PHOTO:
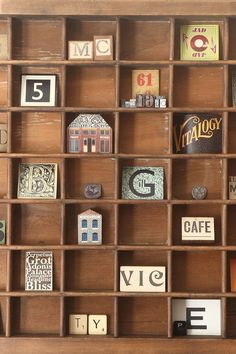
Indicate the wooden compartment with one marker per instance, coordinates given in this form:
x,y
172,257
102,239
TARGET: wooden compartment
x,y
18,270
3,178
229,255
3,86
126,79
27,226
134,141
29,39
193,172
86,29
85,270
90,170
99,305
196,210
144,40
232,47
231,223
90,86
3,212
109,117
71,221
198,86
35,70
3,311
200,20
147,163
231,133
143,224
34,316
3,265
231,317
36,132
231,70
196,272
143,316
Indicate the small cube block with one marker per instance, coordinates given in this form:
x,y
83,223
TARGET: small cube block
x,y
80,50
162,102
180,328
132,102
97,324
78,324
103,47
92,191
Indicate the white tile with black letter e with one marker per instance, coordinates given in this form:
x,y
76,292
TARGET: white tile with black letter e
x,y
203,316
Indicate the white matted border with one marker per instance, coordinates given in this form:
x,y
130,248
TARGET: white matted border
x,y
53,90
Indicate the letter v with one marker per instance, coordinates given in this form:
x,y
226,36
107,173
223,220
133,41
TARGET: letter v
x,y
127,281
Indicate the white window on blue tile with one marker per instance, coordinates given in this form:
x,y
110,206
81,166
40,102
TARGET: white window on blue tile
x,y
95,236
84,236
84,224
94,224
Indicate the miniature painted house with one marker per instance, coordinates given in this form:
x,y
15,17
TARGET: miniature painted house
x,y
89,133
90,227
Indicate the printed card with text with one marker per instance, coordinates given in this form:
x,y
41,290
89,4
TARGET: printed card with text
x,y
145,82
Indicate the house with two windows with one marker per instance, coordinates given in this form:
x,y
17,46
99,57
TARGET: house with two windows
x,y
89,133
90,227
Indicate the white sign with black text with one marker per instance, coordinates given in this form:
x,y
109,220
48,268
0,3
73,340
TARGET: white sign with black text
x,y
203,316
143,279
198,229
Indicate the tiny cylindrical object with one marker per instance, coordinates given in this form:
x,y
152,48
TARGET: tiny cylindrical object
x,y
139,101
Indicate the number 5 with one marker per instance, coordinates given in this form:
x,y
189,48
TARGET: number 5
x,y
37,91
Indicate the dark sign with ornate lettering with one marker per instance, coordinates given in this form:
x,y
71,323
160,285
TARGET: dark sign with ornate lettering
x,y
197,133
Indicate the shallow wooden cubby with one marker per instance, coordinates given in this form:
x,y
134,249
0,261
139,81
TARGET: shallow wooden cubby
x,y
90,86
27,228
28,128
101,170
196,210
96,305
192,172
193,86
139,41
140,224
196,272
44,310
147,316
85,270
135,232
134,141
29,35
71,221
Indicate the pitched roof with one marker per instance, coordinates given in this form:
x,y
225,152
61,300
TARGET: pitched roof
x,y
89,121
89,212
